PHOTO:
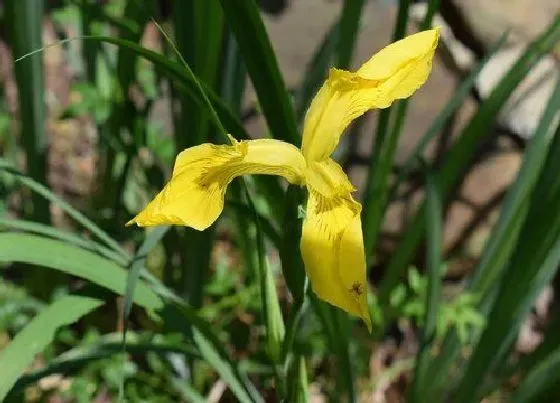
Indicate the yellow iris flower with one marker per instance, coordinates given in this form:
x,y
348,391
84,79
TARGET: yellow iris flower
x,y
331,242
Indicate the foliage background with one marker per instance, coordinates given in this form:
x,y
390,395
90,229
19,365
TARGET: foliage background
x,y
88,132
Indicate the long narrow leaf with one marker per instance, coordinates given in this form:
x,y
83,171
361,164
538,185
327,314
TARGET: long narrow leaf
x,y
52,232
38,334
181,317
43,191
458,98
533,264
501,243
463,150
57,255
433,262
245,21
24,18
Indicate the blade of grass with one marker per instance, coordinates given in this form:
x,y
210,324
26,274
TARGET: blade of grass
x,y
44,192
347,34
502,241
234,76
52,232
19,354
298,394
532,265
184,18
183,318
385,145
60,256
135,266
463,150
433,262
540,368
292,262
348,31
123,111
443,117
69,362
244,19
24,20
198,245
336,325
210,39
272,316
187,391
316,71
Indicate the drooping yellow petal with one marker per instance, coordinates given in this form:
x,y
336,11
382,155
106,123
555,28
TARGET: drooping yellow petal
x,y
394,73
333,250
194,196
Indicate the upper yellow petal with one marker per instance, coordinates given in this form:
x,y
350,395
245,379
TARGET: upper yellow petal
x,y
194,196
333,250
394,73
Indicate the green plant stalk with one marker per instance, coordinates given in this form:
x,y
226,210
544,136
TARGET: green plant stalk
x,y
348,31
234,77
185,119
198,31
292,262
347,34
336,325
462,152
25,27
244,19
382,156
434,224
542,369
209,31
123,112
316,71
89,49
391,122
274,324
443,117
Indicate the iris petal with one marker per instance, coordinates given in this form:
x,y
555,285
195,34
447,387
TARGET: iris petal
x,y
394,73
333,252
194,196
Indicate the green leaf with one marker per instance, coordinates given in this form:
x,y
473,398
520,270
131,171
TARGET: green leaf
x,y
503,239
542,376
23,18
383,154
244,19
433,262
348,31
69,362
58,255
316,71
184,318
198,90
463,150
52,232
457,99
532,266
292,262
38,334
299,391
187,391
43,191
137,263
336,325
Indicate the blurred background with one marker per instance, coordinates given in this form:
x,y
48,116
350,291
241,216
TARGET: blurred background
x,y
459,184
